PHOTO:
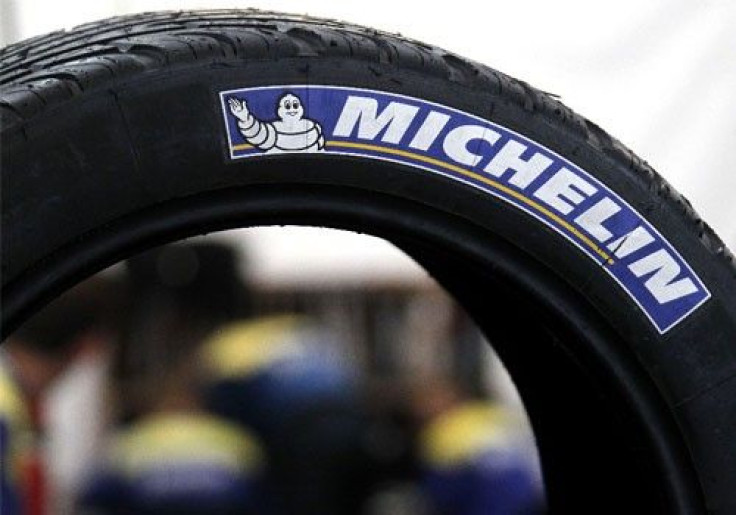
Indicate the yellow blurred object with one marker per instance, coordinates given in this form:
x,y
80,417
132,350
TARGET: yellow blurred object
x,y
244,348
14,415
172,438
455,436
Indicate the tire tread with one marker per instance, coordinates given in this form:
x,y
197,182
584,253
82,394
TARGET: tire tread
x,y
43,71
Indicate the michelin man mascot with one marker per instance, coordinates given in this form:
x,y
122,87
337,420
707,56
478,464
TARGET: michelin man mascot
x,y
290,133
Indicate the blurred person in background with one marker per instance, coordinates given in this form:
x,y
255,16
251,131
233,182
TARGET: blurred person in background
x,y
167,455
177,459
282,377
182,292
32,358
472,461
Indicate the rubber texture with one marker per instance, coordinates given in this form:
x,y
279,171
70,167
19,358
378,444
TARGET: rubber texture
x,y
80,105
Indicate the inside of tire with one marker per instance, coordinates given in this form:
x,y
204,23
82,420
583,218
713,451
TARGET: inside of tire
x,y
606,443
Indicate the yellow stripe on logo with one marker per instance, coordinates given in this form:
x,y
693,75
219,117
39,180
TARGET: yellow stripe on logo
x,y
490,182
467,173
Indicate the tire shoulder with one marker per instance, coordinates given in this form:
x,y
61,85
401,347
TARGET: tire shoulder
x,y
41,72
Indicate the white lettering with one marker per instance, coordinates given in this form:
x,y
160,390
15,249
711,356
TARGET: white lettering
x,y
630,243
592,219
564,190
456,143
509,158
665,270
430,129
363,112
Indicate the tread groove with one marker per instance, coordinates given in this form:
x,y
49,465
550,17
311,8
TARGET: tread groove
x,y
95,54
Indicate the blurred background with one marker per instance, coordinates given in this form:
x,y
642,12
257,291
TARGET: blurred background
x,y
184,381
404,380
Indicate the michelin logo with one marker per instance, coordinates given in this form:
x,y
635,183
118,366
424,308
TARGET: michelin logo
x,y
290,133
442,140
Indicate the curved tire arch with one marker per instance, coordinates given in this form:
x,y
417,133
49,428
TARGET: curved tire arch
x,y
93,171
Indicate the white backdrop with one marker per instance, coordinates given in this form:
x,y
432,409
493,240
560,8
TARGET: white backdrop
x,y
660,75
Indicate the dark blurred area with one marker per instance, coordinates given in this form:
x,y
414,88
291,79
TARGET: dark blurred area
x,y
207,394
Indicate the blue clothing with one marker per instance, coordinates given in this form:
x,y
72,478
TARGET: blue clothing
x,y
178,463
15,436
473,467
9,491
268,400
277,376
492,483
265,374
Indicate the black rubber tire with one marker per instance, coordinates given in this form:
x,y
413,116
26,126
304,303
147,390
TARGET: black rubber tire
x,y
113,142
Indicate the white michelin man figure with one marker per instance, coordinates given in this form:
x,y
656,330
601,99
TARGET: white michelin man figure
x,y
290,133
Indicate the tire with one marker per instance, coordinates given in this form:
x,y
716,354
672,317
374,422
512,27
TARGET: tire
x,y
611,303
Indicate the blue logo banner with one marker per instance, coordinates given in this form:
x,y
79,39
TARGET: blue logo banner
x,y
482,154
